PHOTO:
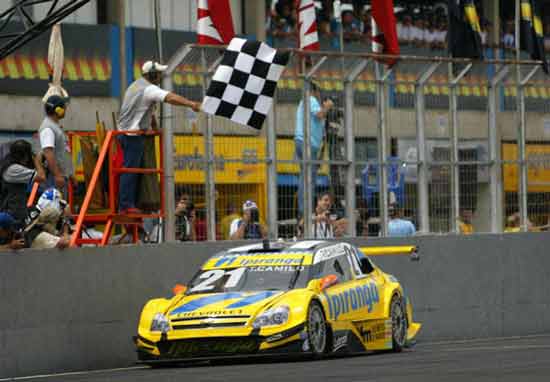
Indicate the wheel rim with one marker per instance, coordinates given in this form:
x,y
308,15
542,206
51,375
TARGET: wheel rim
x,y
317,330
399,323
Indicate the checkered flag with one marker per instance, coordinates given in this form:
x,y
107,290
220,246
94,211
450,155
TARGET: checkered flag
x,y
243,86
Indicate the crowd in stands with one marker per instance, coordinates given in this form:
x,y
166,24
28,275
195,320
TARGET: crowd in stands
x,y
417,27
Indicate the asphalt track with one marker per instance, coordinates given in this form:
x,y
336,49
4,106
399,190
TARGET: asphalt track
x,y
497,360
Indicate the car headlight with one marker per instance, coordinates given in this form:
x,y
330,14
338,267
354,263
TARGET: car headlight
x,y
272,317
160,323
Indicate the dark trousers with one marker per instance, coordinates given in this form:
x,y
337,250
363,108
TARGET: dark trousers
x,y
132,148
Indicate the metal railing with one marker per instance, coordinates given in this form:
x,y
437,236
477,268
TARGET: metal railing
x,y
429,134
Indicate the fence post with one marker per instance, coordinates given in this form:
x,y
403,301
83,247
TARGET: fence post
x,y
495,171
209,184
382,147
306,162
455,170
271,172
422,166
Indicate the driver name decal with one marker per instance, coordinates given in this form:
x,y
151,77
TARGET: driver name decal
x,y
352,299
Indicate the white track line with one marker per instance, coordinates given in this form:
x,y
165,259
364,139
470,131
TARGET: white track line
x,y
72,373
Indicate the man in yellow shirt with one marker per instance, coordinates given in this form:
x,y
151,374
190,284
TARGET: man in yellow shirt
x,y
225,224
465,222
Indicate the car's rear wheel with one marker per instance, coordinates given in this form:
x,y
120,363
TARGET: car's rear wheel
x,y
398,323
317,329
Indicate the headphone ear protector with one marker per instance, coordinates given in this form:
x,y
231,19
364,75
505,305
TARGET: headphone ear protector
x,y
60,111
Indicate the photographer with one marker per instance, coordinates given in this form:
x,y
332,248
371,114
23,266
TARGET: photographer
x,y
327,224
185,219
9,239
249,226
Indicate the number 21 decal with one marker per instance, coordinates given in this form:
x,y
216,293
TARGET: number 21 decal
x,y
210,278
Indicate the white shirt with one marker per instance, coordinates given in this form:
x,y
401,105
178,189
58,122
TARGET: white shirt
x,y
430,36
152,94
417,34
404,33
47,139
322,230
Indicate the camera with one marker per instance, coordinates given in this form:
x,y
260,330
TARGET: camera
x,y
189,209
254,216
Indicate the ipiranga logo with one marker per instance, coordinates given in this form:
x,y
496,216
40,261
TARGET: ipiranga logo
x,y
352,299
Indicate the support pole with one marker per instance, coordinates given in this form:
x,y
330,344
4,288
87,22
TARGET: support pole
x,y
209,184
422,166
306,161
495,170
521,134
453,117
271,168
160,51
349,139
168,166
382,148
122,47
453,132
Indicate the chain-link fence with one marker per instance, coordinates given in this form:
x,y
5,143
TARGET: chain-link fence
x,y
430,141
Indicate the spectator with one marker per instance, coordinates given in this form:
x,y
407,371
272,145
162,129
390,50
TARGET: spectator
x,y
512,223
547,37
185,219
18,171
398,226
508,40
285,24
351,27
55,145
430,35
136,114
465,222
326,223
441,35
418,37
232,214
317,114
9,239
47,226
249,225
404,30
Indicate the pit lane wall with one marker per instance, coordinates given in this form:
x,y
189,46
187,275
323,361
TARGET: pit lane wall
x,y
77,310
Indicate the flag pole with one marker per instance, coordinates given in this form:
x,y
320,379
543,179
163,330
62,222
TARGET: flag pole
x,y
520,110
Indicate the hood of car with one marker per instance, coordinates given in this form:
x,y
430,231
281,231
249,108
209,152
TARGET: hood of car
x,y
236,307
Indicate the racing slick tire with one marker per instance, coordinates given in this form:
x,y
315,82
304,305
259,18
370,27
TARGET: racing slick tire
x,y
317,330
399,323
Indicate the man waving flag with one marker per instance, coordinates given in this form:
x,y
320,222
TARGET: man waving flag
x,y
384,29
307,25
215,23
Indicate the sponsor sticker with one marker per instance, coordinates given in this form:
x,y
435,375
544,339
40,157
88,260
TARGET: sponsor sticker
x,y
352,299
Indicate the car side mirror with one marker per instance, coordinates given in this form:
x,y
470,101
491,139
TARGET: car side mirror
x,y
179,289
414,255
328,281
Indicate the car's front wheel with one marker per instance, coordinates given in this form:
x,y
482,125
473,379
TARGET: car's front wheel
x,y
317,329
399,323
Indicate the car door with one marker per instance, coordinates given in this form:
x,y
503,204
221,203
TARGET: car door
x,y
372,284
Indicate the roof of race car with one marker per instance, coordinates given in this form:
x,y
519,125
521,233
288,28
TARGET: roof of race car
x,y
277,254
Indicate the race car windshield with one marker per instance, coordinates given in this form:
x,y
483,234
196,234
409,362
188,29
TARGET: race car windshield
x,y
259,278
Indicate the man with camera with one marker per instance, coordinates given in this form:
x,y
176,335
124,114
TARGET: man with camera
x,y
248,226
326,223
185,219
318,113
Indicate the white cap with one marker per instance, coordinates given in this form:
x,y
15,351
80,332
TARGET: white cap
x,y
152,66
249,205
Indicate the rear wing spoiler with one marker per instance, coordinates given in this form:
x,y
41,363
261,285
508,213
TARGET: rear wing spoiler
x,y
402,250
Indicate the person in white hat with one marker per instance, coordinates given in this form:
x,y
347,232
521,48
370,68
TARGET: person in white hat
x,y
248,226
137,114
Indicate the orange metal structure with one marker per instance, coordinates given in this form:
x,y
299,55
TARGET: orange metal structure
x,y
110,217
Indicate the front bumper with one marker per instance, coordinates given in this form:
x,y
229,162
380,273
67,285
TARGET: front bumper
x,y
284,342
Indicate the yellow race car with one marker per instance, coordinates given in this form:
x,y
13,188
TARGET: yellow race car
x,y
312,297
